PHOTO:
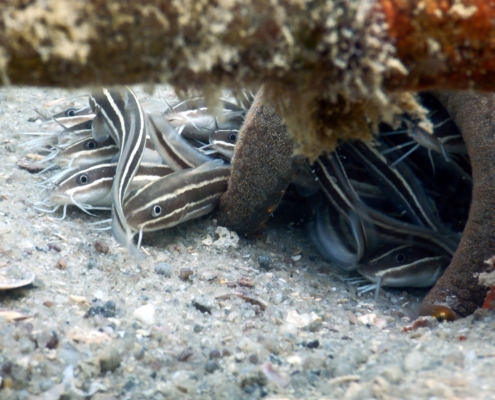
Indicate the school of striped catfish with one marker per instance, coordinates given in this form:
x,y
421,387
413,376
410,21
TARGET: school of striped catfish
x,y
392,209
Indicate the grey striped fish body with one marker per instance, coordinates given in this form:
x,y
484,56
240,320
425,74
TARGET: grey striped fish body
x,y
74,133
155,106
399,183
223,141
132,134
88,186
72,112
172,147
177,197
200,103
60,124
108,106
86,152
453,144
403,266
101,130
328,234
93,185
336,185
124,120
147,173
198,124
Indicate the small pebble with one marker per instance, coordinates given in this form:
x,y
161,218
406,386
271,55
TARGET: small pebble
x,y
92,263
138,352
54,246
164,269
145,314
47,339
46,384
185,273
185,354
265,262
30,166
215,354
253,359
61,264
247,282
101,247
109,359
109,309
211,366
203,303
272,345
129,385
313,344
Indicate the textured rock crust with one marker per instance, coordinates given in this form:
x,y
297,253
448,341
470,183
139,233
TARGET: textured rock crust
x,y
331,65
459,288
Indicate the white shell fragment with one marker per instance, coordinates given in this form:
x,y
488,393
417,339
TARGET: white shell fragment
x,y
301,320
145,314
15,276
367,319
226,238
208,241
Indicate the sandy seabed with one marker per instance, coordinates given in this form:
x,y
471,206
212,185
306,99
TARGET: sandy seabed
x,y
102,325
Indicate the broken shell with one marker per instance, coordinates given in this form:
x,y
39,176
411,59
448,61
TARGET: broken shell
x,y
14,277
302,320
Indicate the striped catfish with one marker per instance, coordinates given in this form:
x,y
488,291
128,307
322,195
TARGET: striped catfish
x,y
399,183
93,185
86,152
123,119
177,197
409,255
223,141
401,266
172,147
63,123
445,139
336,185
341,204
329,234
388,228
194,120
199,103
72,112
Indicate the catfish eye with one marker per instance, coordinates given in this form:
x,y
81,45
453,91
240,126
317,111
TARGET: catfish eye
x,y
90,145
89,124
400,258
233,137
70,112
83,179
156,210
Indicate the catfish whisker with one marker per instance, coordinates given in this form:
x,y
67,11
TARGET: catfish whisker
x,y
105,221
398,147
405,155
82,207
